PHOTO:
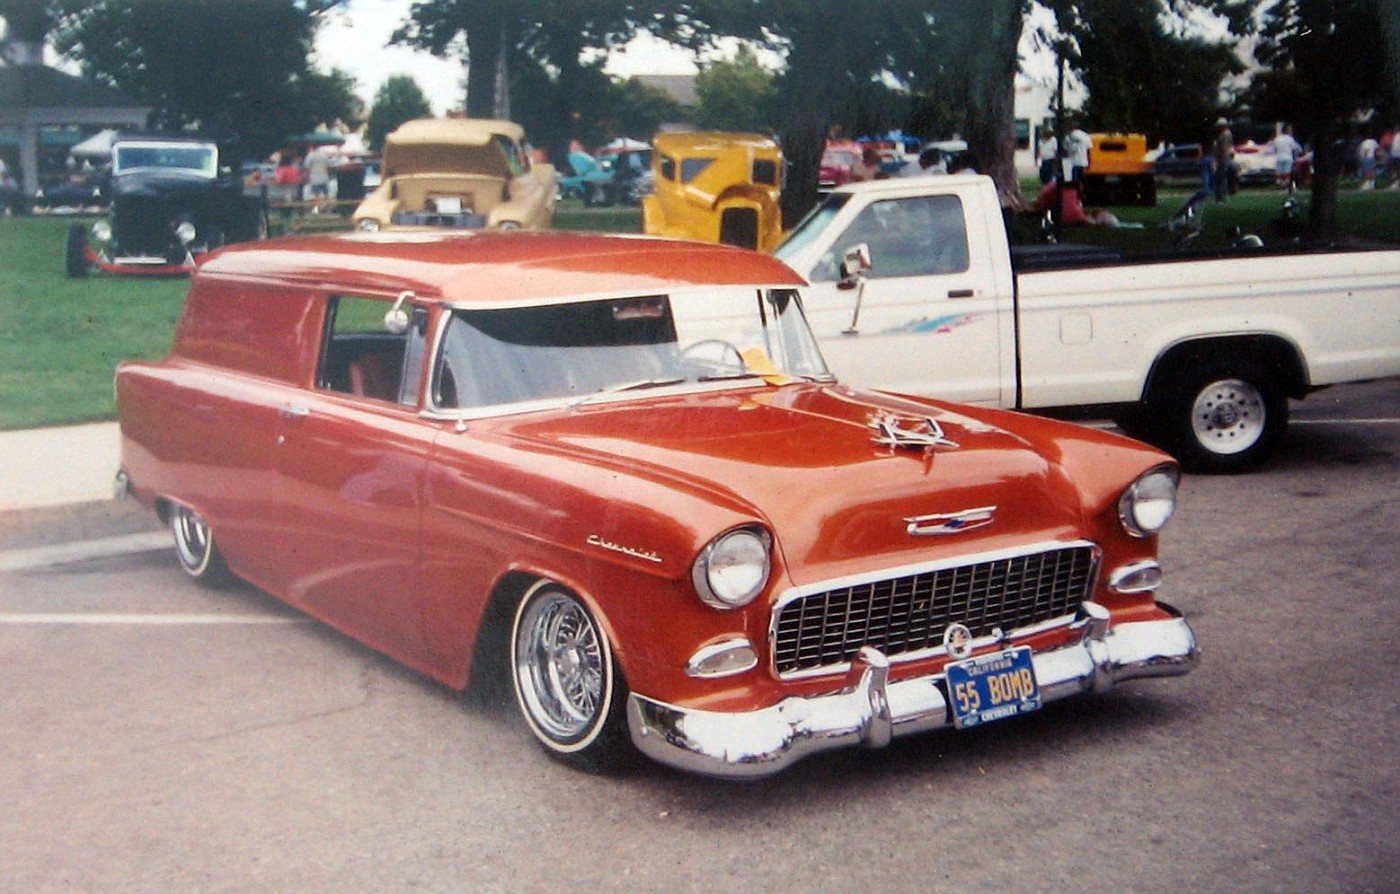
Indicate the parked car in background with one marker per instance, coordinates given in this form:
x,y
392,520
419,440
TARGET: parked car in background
x,y
1119,171
716,187
616,173
1255,163
613,474
172,200
459,173
838,159
1179,161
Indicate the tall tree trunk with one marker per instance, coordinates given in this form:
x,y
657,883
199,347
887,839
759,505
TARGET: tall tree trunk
x,y
484,28
991,99
1322,215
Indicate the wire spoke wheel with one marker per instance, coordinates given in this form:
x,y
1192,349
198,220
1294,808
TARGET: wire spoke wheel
x,y
195,548
562,669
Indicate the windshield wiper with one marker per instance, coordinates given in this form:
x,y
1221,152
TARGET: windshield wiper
x,y
639,385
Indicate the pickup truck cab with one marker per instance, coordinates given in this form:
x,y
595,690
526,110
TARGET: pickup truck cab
x,y
1197,352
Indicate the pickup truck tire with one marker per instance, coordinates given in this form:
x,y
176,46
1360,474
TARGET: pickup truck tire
x,y
567,684
1223,417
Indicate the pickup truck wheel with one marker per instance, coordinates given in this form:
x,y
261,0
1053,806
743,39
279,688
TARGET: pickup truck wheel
x,y
566,683
195,548
1225,418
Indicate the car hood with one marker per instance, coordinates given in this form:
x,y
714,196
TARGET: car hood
x,y
805,460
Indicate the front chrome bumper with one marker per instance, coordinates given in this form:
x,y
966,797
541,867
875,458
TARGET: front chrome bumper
x,y
871,711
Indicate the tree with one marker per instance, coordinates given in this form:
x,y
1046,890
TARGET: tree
x,y
1140,75
1329,59
738,94
398,99
546,47
237,71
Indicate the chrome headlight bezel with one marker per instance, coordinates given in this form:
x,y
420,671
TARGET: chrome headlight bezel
x,y
1149,502
367,225
734,567
185,231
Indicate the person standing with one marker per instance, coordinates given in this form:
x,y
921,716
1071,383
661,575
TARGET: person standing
x,y
318,177
1366,161
868,168
1222,155
1047,153
1286,152
1077,146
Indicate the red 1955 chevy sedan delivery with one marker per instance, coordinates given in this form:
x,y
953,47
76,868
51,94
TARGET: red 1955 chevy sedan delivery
x,y
615,471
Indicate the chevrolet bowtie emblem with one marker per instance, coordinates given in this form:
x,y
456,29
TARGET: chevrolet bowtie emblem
x,y
950,522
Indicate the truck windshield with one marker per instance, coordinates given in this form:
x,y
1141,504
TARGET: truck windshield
x,y
573,351
811,226
196,159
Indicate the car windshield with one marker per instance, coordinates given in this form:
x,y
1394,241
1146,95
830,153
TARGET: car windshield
x,y
575,351
811,226
198,159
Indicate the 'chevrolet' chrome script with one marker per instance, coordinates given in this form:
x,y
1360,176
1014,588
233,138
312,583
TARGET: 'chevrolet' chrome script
x,y
644,554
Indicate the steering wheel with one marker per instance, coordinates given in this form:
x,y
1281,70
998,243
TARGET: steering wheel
x,y
725,348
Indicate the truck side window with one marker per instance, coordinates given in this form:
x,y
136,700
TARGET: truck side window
x,y
920,236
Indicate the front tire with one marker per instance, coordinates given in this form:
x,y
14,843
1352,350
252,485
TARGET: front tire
x,y
1224,418
566,682
195,549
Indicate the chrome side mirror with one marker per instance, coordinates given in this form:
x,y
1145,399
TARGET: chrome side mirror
x,y
854,264
396,319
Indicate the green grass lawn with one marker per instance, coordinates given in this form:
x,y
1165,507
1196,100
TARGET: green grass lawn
x,y
61,338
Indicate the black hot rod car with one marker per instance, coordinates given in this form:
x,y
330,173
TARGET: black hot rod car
x,y
172,199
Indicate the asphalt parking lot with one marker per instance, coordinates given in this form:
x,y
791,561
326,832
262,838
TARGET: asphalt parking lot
x,y
159,737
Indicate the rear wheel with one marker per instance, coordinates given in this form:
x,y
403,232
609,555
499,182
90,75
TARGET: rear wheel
x,y
566,682
1224,417
76,259
195,548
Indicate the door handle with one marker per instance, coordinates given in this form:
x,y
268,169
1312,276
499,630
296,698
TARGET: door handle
x,y
961,293
293,411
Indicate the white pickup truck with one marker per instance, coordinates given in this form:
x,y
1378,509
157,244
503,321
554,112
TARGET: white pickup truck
x,y
915,289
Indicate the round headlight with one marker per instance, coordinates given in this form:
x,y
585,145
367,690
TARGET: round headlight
x,y
733,569
368,224
1147,506
102,231
508,225
185,232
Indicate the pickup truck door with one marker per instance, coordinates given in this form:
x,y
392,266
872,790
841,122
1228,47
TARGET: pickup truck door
x,y
930,315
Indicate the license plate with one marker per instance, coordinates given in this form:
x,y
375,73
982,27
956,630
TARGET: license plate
x,y
992,687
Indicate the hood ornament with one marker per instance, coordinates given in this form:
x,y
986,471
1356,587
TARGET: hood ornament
x,y
924,432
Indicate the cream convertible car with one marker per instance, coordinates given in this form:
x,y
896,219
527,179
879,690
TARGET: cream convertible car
x,y
460,173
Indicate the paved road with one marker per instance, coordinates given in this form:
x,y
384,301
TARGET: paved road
x,y
156,737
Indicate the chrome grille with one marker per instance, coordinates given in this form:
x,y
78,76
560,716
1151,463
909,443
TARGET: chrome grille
x,y
908,613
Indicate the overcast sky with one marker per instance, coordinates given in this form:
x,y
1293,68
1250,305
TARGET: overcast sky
x,y
353,40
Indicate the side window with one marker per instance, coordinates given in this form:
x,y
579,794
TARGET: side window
x,y
765,171
359,356
921,236
692,168
668,167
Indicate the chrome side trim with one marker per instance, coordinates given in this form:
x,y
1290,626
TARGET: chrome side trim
x,y
869,710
